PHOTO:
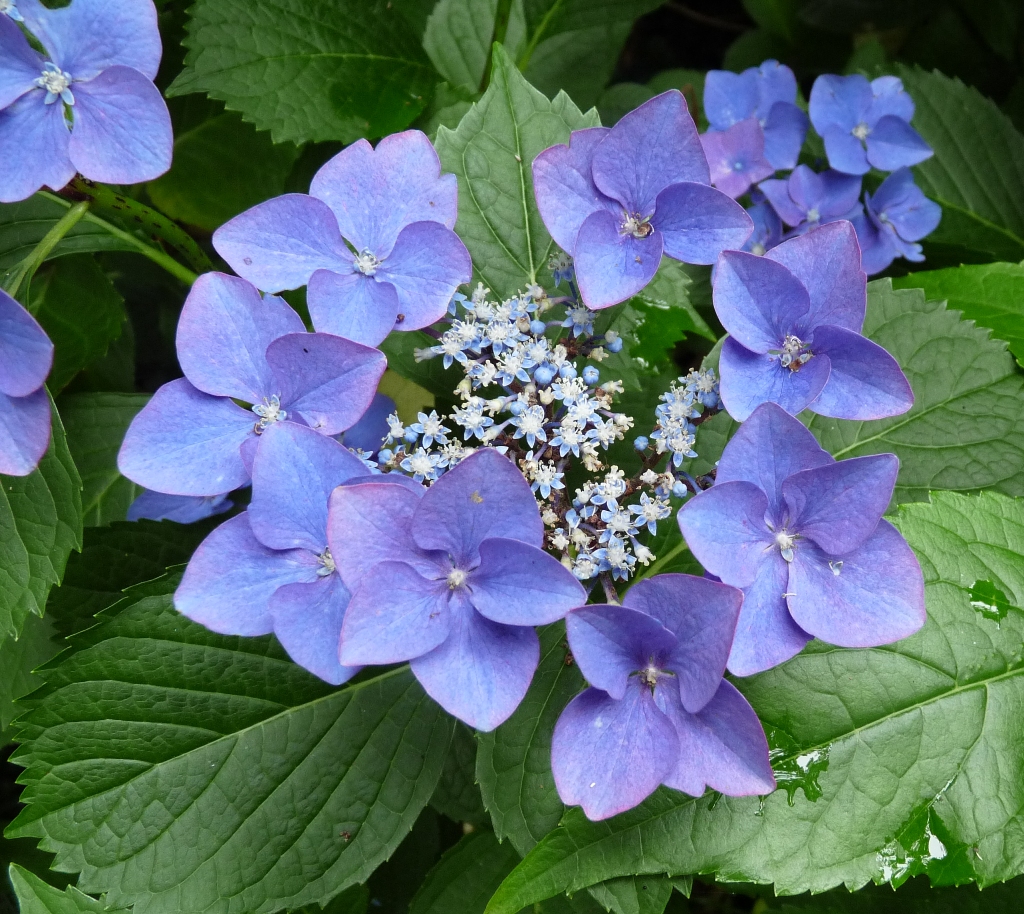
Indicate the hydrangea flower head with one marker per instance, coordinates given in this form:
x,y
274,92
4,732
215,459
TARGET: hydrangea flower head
x,y
393,207
866,124
26,356
736,157
618,198
804,537
897,216
658,710
765,95
794,318
233,344
89,105
807,199
452,578
269,569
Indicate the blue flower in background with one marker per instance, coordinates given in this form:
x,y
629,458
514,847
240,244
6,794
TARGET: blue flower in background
x,y
804,537
767,228
866,124
89,105
451,578
182,509
898,215
806,199
26,356
393,207
616,200
658,710
766,95
794,318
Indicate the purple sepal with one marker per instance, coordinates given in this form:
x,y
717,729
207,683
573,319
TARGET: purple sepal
x,y
736,157
182,509
34,140
24,432
26,353
612,266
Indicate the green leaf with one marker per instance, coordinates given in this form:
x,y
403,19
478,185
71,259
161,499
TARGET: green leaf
x,y
896,760
491,152
222,166
633,894
232,778
965,431
40,523
96,424
669,292
513,762
38,897
456,795
18,658
976,174
991,295
82,313
466,876
354,900
308,70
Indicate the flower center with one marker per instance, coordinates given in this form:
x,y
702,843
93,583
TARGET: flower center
x,y
758,248
269,412
636,225
813,215
785,541
456,578
366,263
861,131
794,353
56,82
327,566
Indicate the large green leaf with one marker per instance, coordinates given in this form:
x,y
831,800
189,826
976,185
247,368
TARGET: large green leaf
x,y
965,431
466,876
633,894
458,38
991,295
38,897
96,424
896,760
40,523
491,152
976,174
18,658
82,313
308,69
177,769
456,795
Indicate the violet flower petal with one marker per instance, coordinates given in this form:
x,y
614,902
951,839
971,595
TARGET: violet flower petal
x,y
906,208
24,432
34,140
122,132
736,157
182,509
395,615
871,596
845,152
369,432
26,353
889,98
482,671
784,134
519,584
185,442
484,496
729,97
777,190
750,379
698,222
893,144
231,578
611,266
839,101
608,756
20,65
353,305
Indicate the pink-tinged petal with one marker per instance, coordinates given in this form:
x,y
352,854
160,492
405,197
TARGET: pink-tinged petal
x,y
565,189
845,152
767,449
893,144
827,264
232,577
185,442
26,353
865,383
766,634
20,66
752,378
293,475
307,620
839,505
375,193
24,432
484,496
281,243
784,135
122,132
610,644
839,101
729,97
608,756
519,584
736,157
327,380
702,614
358,307
758,300
647,150
395,614
873,595
91,35
611,266
482,671
34,141
429,262
725,528
369,524
698,222
223,334
722,747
